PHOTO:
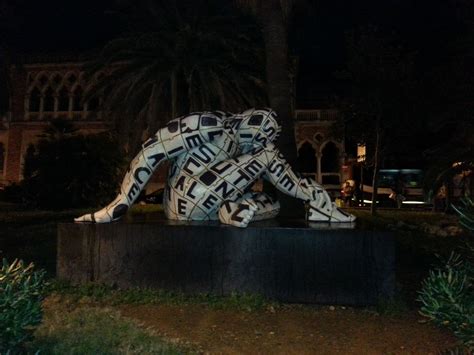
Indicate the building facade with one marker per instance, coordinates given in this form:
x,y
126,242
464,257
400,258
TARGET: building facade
x,y
43,90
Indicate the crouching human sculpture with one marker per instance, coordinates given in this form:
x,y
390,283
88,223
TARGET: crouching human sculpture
x,y
215,159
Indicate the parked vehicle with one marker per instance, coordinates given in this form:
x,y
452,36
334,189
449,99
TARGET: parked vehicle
x,y
397,188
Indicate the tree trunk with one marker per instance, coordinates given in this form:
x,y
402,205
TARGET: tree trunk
x,y
375,176
277,72
174,95
449,193
275,35
4,80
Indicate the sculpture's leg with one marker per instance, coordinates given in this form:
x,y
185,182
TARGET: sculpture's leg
x,y
180,135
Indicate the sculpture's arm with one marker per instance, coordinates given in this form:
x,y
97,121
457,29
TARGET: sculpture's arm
x,y
179,136
282,176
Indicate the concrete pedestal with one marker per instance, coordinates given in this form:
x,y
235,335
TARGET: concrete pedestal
x,y
290,263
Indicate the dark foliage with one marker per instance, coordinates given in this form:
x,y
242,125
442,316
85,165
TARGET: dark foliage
x,y
21,292
177,57
447,297
72,170
465,210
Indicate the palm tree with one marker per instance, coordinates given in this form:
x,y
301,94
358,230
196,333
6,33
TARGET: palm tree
x,y
8,25
180,57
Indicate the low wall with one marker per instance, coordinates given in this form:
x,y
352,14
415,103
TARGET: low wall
x,y
296,263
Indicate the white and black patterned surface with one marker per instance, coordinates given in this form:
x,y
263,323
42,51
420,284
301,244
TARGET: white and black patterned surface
x,y
216,158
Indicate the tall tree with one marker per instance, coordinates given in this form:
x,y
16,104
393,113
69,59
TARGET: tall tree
x,y
9,22
449,103
178,57
379,107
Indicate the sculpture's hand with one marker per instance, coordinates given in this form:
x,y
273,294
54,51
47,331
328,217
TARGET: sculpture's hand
x,y
112,212
97,217
237,214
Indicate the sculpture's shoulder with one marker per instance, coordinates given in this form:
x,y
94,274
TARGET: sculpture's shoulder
x,y
269,150
203,119
200,119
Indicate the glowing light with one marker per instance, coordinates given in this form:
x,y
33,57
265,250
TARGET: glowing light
x,y
361,153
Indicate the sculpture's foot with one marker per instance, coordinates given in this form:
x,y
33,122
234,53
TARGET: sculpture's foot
x,y
331,213
238,214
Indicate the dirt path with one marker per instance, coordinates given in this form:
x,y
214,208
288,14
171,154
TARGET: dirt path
x,y
290,330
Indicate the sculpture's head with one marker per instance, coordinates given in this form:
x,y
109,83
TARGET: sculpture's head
x,y
258,127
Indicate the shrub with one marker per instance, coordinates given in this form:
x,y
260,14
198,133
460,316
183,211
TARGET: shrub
x,y
12,193
72,170
21,292
465,210
447,297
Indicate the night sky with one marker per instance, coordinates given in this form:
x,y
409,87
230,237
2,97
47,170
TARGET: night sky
x,y
317,35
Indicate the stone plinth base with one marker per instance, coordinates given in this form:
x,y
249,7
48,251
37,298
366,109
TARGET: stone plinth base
x,y
296,263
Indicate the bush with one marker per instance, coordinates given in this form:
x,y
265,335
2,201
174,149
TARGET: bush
x,y
465,210
12,193
21,292
448,297
69,170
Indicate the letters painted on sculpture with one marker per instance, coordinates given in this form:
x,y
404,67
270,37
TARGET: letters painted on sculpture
x,y
215,159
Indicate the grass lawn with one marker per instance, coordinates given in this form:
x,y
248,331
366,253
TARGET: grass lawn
x,y
70,328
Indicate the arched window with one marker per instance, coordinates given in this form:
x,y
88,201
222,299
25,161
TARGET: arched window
x,y
77,104
29,161
71,79
43,79
35,100
330,158
48,105
2,156
307,162
93,104
330,164
56,80
63,100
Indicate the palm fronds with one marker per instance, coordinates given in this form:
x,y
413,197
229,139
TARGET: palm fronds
x,y
213,55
